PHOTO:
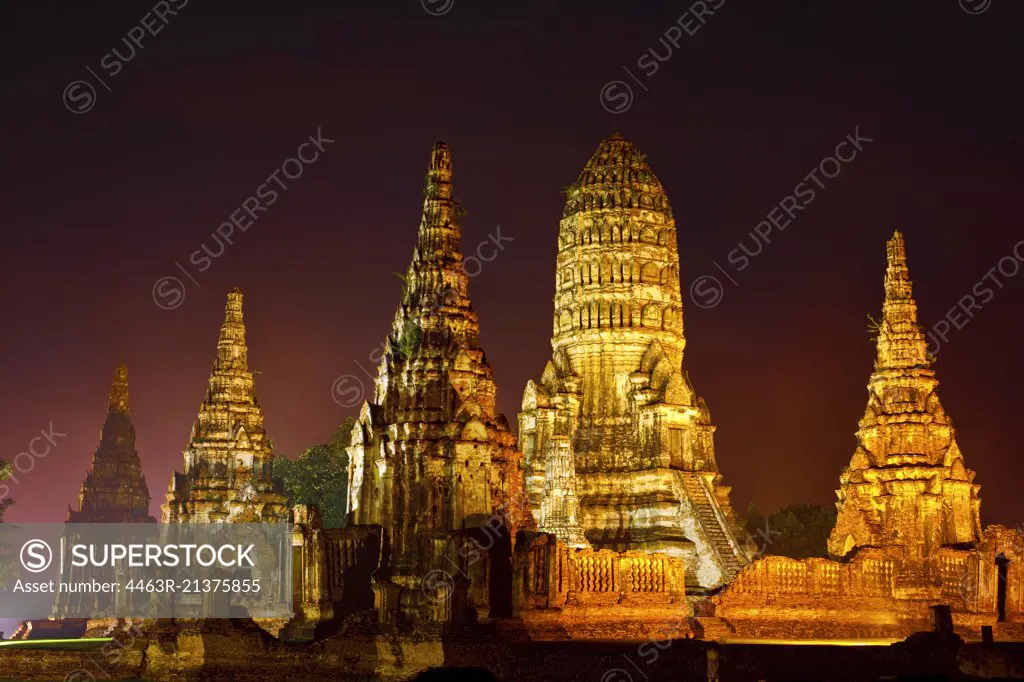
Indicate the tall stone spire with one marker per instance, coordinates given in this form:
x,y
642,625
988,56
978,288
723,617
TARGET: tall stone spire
x,y
439,234
114,489
228,463
615,394
232,354
901,344
906,485
432,459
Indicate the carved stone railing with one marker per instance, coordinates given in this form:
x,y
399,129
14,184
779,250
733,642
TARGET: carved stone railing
x,y
888,590
332,571
774,576
548,574
965,579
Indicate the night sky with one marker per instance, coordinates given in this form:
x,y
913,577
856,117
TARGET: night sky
x,y
100,205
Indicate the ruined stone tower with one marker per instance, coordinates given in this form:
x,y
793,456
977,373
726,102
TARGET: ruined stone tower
x,y
614,419
432,459
114,489
228,463
906,485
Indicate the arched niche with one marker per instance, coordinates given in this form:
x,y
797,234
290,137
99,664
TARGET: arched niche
x,y
650,273
652,316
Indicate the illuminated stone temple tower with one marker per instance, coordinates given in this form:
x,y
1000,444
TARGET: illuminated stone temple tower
x,y
906,485
114,489
619,448
432,460
228,462
908,534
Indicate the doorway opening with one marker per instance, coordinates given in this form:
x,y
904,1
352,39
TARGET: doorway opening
x,y
1002,564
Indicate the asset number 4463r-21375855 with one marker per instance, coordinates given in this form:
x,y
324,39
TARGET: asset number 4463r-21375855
x,y
186,586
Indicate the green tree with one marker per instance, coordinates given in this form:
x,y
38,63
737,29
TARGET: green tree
x,y
342,438
320,476
5,501
799,531
754,519
6,558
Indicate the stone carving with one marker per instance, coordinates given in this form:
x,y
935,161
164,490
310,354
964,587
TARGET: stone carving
x,y
115,489
432,458
228,473
618,447
559,506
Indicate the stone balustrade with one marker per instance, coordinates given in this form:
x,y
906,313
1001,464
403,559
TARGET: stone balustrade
x,y
550,574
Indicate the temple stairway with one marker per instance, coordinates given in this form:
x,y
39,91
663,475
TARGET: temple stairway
x,y
717,537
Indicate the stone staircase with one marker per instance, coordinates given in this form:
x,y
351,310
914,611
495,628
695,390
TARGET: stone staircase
x,y
709,521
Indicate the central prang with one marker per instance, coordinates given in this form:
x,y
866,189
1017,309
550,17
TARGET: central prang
x,y
619,449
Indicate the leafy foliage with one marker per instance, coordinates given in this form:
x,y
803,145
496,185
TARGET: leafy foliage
x,y
342,438
410,339
320,476
431,188
798,531
875,328
5,502
7,568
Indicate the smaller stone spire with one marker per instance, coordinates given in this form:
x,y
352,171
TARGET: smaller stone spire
x,y
119,401
114,489
231,380
901,343
228,462
906,485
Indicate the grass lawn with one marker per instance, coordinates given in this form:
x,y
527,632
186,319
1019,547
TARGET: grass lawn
x,y
61,644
